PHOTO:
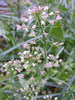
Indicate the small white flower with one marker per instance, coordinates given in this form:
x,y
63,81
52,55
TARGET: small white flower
x,y
52,21
44,13
32,78
60,60
20,76
56,64
12,69
61,43
18,27
36,93
26,52
15,94
47,96
46,8
58,17
42,22
24,19
27,98
24,97
25,66
21,90
57,12
44,97
34,26
5,65
48,58
32,99
56,98
33,89
57,57
30,55
51,13
33,64
32,34
35,52
29,11
5,70
49,65
22,58
27,62
44,16
30,17
8,73
26,88
55,43
32,85
10,62
26,29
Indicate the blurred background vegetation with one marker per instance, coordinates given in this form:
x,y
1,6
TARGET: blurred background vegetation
x,y
10,38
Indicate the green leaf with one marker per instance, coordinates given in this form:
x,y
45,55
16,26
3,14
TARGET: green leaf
x,y
57,31
3,96
24,83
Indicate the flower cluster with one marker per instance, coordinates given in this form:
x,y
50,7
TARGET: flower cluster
x,y
35,16
35,10
53,61
30,65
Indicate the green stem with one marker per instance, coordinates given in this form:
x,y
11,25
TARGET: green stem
x,y
44,38
39,21
19,8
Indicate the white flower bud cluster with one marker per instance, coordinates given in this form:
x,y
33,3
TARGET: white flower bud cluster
x,y
57,44
47,97
53,61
